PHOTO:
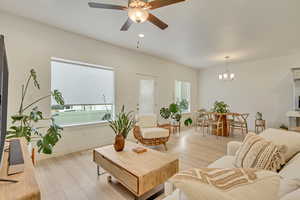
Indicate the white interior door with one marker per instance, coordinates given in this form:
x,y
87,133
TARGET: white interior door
x,y
147,95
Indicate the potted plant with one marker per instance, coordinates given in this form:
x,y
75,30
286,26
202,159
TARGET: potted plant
x,y
24,123
220,107
188,122
122,125
172,112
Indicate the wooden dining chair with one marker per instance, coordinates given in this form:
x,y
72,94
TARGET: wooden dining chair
x,y
202,121
239,121
216,124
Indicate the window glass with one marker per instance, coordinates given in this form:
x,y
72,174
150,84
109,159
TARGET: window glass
x,y
88,91
182,95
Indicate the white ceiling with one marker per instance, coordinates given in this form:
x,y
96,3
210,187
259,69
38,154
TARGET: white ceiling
x,y
200,33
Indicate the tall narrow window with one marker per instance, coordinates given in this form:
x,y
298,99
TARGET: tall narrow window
x,y
88,91
183,95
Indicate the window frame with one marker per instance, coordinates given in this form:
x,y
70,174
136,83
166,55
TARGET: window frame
x,y
84,64
190,96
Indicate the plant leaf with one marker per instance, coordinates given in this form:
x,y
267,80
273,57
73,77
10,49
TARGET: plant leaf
x,y
58,97
16,118
165,113
34,77
36,115
174,108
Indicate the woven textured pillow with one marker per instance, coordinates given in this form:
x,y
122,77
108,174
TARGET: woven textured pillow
x,y
257,152
282,137
227,184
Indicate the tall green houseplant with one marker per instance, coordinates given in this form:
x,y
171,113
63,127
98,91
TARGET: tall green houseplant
x,y
25,122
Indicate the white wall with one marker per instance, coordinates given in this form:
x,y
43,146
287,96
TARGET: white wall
x,y
264,85
31,45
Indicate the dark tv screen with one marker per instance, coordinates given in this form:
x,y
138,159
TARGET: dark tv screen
x,y
3,95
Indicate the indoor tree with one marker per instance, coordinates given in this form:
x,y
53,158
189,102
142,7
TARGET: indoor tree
x,y
25,122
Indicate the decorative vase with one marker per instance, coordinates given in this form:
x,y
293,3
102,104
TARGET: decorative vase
x,y
119,142
258,116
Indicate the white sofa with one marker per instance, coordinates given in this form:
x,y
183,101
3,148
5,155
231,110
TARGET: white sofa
x,y
291,169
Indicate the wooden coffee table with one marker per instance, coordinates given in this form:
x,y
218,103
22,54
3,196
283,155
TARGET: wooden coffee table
x,y
139,173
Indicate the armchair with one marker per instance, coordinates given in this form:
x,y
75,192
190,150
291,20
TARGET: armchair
x,y
148,132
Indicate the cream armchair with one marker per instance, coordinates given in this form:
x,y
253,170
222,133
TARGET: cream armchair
x,y
148,132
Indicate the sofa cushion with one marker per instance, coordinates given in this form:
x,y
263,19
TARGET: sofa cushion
x,y
233,147
282,137
147,121
287,186
257,152
291,169
227,184
292,196
224,162
150,133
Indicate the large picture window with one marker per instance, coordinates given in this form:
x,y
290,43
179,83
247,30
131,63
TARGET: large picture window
x,y
88,91
183,95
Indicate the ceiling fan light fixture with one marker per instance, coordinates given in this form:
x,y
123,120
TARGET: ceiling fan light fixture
x,y
138,11
138,15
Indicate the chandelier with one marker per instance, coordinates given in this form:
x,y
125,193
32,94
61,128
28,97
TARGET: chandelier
x,y
226,76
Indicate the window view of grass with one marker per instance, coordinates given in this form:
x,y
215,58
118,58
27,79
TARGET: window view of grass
x,y
81,114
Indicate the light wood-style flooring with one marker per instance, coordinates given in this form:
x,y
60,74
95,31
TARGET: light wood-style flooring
x,y
73,176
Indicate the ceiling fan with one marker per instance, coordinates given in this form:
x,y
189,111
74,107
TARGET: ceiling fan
x,y
138,11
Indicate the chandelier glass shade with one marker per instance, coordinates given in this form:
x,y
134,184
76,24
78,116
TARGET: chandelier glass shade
x,y
226,76
138,15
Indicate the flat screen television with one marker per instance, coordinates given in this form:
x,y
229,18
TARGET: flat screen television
x,y
3,95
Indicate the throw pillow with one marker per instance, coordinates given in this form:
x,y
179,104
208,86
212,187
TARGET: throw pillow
x,y
227,184
256,152
282,137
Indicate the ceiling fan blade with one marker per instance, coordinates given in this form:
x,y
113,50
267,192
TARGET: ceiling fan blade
x,y
157,22
127,24
161,3
106,6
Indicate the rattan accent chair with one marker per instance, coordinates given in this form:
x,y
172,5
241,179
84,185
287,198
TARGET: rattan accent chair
x,y
149,132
